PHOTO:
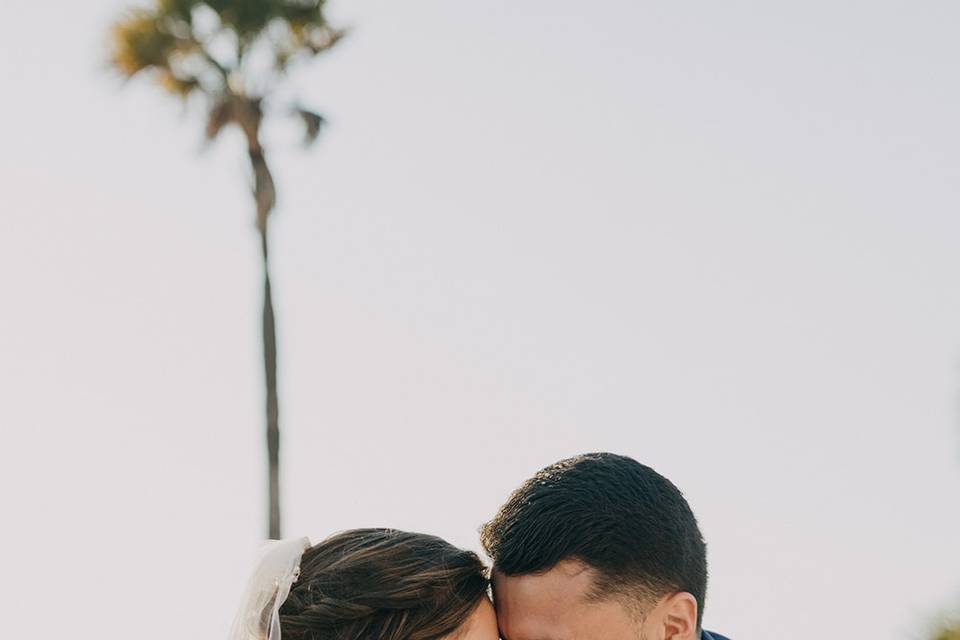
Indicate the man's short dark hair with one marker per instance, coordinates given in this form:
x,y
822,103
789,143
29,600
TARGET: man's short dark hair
x,y
621,518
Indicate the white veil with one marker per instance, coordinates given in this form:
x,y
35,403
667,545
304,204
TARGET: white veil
x,y
276,570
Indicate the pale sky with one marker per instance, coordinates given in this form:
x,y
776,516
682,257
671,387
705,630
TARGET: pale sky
x,y
722,238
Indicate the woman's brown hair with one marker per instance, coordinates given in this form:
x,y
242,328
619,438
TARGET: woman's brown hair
x,y
382,584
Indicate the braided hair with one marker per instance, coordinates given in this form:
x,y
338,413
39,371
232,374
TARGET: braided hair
x,y
382,584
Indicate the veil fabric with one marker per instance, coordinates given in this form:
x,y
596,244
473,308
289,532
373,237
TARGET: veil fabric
x,y
277,568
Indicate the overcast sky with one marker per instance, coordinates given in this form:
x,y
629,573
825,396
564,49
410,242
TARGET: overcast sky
x,y
719,237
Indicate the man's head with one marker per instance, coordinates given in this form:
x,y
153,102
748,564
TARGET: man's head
x,y
597,546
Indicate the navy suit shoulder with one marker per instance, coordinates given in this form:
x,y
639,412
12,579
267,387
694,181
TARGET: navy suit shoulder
x,y
710,635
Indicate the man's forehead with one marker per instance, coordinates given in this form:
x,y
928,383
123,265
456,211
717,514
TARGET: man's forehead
x,y
557,605
569,581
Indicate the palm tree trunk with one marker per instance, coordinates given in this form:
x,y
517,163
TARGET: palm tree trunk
x,y
265,196
273,409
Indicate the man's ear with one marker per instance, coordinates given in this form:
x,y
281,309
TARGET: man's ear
x,y
680,617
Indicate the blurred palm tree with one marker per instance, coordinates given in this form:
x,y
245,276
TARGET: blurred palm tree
x,y
235,54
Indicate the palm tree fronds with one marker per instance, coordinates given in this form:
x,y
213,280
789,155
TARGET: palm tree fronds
x,y
146,40
182,9
178,85
319,38
313,123
140,43
247,17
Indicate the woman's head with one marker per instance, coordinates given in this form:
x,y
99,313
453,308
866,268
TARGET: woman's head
x,y
385,584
